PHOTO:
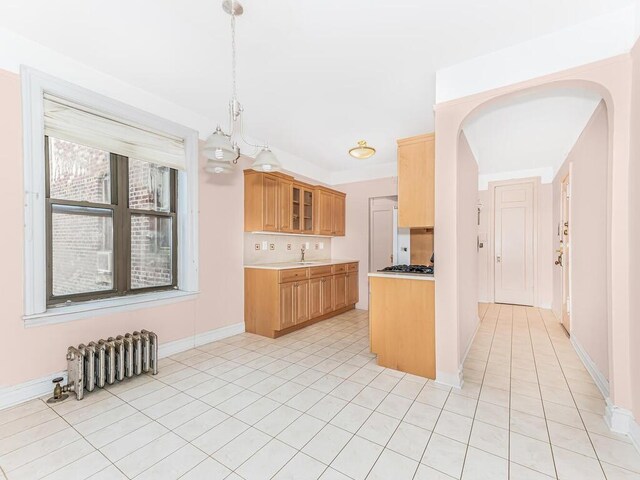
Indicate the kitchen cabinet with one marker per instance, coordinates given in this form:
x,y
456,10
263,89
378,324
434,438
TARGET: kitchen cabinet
x,y
338,215
278,301
330,212
352,288
285,205
263,195
340,290
287,305
324,214
416,182
303,211
301,301
276,202
320,296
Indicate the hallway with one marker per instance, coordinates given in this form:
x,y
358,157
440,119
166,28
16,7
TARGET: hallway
x,y
529,379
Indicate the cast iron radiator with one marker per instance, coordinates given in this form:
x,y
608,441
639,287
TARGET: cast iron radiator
x,y
109,361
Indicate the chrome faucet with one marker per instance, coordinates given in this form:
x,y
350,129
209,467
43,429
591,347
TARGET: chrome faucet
x,y
302,254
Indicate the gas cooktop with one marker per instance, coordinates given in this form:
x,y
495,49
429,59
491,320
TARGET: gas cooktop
x,y
410,269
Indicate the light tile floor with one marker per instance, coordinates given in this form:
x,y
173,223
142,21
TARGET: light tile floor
x,y
314,404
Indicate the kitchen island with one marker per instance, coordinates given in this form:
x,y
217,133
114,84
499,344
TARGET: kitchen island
x,y
402,322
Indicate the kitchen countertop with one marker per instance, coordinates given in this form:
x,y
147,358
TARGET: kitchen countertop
x,y
308,264
402,276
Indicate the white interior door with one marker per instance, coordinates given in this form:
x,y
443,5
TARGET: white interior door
x,y
381,235
514,243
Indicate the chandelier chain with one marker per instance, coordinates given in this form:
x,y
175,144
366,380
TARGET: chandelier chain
x,y
233,56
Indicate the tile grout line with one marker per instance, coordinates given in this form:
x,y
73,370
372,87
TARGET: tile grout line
x,y
544,411
484,373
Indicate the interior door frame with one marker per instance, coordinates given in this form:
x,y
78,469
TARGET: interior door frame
x,y
569,293
535,182
370,225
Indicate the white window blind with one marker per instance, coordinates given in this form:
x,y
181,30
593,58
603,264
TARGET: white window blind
x,y
74,123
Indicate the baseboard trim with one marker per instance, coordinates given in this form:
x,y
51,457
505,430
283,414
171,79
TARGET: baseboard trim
x,y
23,392
16,394
601,382
470,343
621,420
450,379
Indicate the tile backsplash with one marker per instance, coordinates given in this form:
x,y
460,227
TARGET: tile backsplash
x,y
284,248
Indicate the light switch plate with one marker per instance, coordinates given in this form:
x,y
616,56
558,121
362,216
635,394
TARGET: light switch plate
x,y
321,245
306,245
265,245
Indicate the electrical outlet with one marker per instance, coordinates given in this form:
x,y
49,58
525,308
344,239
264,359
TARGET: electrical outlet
x,y
288,246
317,246
265,245
257,246
272,246
321,244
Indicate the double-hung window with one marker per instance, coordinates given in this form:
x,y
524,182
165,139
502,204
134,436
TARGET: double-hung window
x,y
111,223
111,210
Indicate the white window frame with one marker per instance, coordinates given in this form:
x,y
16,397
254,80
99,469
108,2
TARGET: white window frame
x,y
36,312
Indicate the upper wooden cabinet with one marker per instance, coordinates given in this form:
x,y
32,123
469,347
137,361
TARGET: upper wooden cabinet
x,y
275,202
416,181
330,212
285,205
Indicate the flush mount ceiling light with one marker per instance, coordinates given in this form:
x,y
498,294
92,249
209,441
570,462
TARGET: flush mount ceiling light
x,y
362,151
222,149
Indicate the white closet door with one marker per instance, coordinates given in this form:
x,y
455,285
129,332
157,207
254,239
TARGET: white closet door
x,y
514,243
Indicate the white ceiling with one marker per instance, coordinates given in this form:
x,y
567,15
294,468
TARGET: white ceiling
x,y
314,76
530,132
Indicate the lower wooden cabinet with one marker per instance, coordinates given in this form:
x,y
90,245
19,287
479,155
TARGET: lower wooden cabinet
x,y
301,301
353,293
278,301
340,290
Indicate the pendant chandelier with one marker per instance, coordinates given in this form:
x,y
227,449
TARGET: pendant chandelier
x,y
222,149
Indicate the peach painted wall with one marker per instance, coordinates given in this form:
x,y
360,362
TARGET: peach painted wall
x,y
467,227
634,200
219,304
609,78
355,244
588,241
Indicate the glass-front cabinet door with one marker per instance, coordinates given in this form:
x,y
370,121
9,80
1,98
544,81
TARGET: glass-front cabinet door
x,y
295,209
307,225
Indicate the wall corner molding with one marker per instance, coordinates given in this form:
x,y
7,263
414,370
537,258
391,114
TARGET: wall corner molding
x,y
447,379
621,420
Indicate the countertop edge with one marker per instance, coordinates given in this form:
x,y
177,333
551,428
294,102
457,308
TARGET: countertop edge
x,y
403,276
290,266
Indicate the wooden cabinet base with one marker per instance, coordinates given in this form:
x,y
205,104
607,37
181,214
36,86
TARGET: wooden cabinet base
x,y
298,326
277,302
402,324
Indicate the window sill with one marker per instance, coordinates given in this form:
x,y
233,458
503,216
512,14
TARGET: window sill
x,y
106,306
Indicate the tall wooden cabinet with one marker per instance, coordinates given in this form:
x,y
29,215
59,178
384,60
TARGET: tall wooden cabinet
x,y
276,202
279,301
416,181
330,212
